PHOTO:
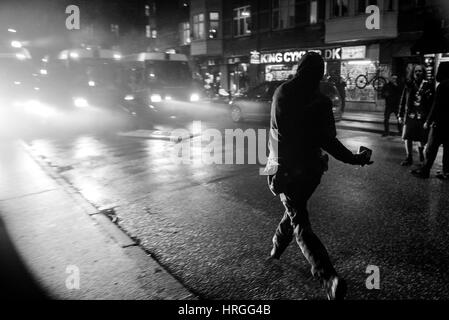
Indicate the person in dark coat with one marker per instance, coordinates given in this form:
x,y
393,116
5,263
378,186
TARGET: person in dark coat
x,y
391,92
302,124
438,121
416,101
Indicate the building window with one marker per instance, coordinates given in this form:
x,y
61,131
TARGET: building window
x,y
389,5
420,3
313,12
214,24
340,8
184,30
363,4
115,29
242,20
283,14
198,26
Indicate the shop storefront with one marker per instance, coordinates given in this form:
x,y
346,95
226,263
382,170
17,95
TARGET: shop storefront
x,y
207,72
280,65
342,64
364,76
239,74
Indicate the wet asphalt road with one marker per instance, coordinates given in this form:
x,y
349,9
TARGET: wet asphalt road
x,y
211,225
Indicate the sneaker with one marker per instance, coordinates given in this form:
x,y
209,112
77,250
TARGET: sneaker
x,y
335,288
420,173
407,162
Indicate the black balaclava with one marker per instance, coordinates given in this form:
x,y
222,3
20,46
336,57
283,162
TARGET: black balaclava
x,y
308,76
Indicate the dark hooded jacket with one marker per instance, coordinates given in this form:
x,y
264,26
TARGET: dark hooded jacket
x,y
302,121
439,114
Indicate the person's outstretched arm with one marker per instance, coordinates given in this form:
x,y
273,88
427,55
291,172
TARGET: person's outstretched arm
x,y
330,142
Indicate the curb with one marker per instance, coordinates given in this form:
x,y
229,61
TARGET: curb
x,y
353,128
101,218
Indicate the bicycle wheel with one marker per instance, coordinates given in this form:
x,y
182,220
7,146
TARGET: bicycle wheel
x,y
378,83
361,81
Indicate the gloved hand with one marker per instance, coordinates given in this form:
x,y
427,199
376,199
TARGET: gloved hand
x,y
362,158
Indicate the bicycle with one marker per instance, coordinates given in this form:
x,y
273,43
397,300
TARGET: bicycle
x,y
377,81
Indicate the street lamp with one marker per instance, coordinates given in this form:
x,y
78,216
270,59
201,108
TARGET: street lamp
x,y
12,30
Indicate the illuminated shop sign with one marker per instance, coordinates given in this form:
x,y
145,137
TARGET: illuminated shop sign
x,y
295,56
255,57
358,52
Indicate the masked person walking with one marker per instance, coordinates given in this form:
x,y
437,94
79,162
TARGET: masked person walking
x,y
302,124
438,121
414,107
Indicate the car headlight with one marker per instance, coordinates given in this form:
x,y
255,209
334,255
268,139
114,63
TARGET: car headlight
x,y
36,108
129,97
194,97
80,102
156,98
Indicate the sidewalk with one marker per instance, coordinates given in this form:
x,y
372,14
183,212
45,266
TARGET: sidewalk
x,y
57,237
367,121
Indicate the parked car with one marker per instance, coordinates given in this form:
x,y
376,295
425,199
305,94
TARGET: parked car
x,y
255,104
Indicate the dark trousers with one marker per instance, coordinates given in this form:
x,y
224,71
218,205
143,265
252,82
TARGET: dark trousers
x,y
387,114
295,223
436,139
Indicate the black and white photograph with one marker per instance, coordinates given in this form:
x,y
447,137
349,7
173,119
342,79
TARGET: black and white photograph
x,y
224,155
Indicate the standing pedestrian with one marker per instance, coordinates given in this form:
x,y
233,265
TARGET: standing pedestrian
x,y
438,121
341,87
391,92
416,101
302,124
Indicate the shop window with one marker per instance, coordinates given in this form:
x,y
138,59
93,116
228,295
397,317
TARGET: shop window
x,y
242,21
283,14
214,24
340,8
184,33
198,26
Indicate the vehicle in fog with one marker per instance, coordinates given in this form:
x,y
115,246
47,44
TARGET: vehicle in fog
x,y
155,78
18,83
82,78
16,71
255,104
